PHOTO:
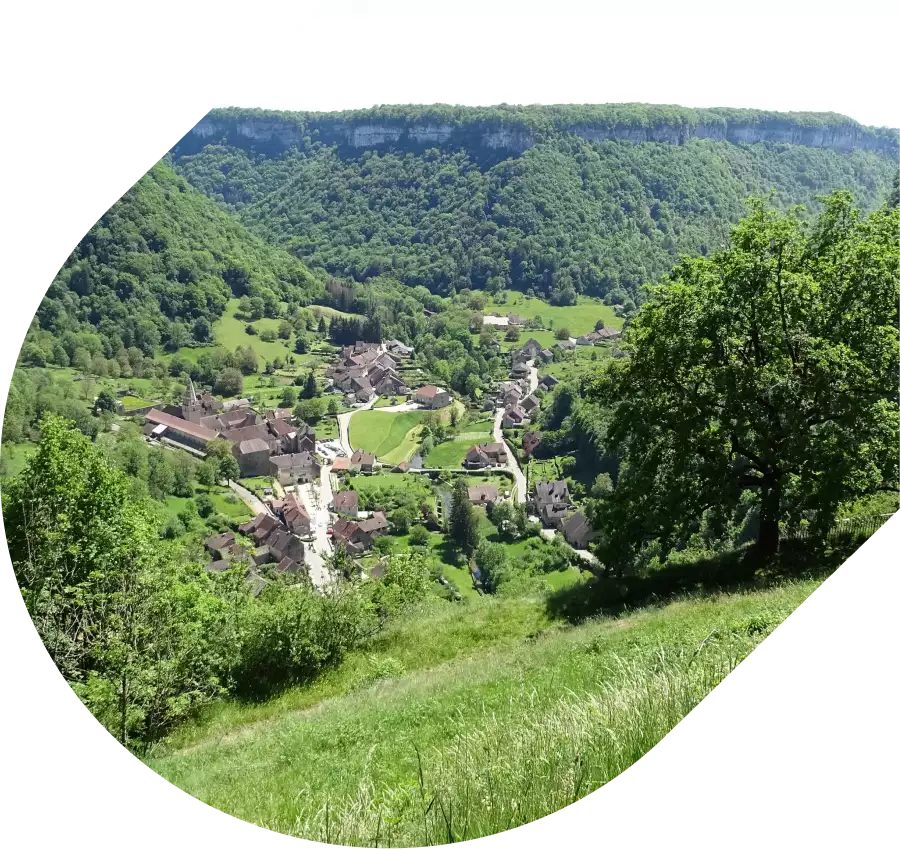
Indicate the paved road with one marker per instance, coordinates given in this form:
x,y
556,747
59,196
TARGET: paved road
x,y
532,375
316,498
249,499
344,424
512,463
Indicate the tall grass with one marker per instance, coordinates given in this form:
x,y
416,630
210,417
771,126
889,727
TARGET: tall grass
x,y
450,728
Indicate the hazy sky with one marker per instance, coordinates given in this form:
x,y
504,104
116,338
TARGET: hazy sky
x,y
783,56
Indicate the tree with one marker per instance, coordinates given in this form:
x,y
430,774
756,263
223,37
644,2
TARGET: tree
x,y
418,536
285,329
106,401
513,333
288,397
230,383
563,333
768,369
309,387
33,355
205,505
208,472
503,516
310,410
228,468
599,325
401,519
463,523
333,406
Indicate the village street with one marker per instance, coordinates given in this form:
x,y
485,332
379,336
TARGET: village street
x,y
255,505
316,498
512,463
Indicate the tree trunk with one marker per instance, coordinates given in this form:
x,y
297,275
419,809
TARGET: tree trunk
x,y
769,538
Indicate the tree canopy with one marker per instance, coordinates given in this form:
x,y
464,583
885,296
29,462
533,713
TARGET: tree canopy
x,y
767,371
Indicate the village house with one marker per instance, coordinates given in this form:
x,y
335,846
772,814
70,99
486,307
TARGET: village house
x,y
297,468
485,455
531,349
588,339
516,319
546,355
552,502
530,403
548,382
565,344
483,494
295,516
520,370
289,566
220,545
345,502
577,530
608,333
362,461
341,464
514,416
259,528
346,534
432,397
394,346
252,457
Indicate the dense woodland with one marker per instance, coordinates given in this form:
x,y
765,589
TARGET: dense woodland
x,y
566,216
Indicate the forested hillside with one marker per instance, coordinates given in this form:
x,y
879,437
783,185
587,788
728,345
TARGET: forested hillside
x,y
558,200
157,270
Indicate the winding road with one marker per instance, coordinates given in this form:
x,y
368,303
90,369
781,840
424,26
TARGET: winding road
x,y
511,464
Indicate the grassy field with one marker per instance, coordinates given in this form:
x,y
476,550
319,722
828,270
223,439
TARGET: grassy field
x,y
389,436
485,708
579,318
222,497
15,456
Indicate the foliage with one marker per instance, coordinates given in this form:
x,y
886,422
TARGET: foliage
x,y
768,368
462,524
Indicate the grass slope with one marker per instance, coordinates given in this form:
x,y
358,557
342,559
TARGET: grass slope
x,y
580,318
385,434
484,709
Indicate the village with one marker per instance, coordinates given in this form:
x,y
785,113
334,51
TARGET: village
x,y
311,508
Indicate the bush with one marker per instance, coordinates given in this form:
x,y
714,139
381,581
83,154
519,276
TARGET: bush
x,y
205,505
418,536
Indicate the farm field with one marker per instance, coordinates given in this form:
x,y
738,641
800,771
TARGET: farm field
x,y
579,318
543,693
450,455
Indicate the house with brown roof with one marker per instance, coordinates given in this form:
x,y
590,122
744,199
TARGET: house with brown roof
x,y
565,345
259,528
347,534
484,455
295,516
432,397
608,333
483,494
279,413
288,566
296,468
345,502
520,370
252,457
374,525
577,530
363,461
220,545
588,339
514,416
341,464
548,382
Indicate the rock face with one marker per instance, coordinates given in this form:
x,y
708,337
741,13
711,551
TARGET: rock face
x,y
274,132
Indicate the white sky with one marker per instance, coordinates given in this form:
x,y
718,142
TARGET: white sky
x,y
783,56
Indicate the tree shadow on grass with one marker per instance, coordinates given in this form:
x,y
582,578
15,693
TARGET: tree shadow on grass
x,y
730,571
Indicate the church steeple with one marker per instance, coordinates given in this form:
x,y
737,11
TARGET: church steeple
x,y
191,409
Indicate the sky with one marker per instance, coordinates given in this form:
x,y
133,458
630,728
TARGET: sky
x,y
784,56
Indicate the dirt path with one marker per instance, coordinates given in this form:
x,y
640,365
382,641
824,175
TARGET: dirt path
x,y
249,499
512,464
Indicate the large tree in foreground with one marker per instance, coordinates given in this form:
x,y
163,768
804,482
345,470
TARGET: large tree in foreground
x,y
770,367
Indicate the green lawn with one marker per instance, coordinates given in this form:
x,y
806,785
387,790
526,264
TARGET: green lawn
x,y
389,436
579,318
230,332
485,707
15,456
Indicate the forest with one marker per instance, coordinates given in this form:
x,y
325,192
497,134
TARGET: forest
x,y
562,217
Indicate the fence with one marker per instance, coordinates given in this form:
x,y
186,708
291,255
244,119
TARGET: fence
x,y
843,529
